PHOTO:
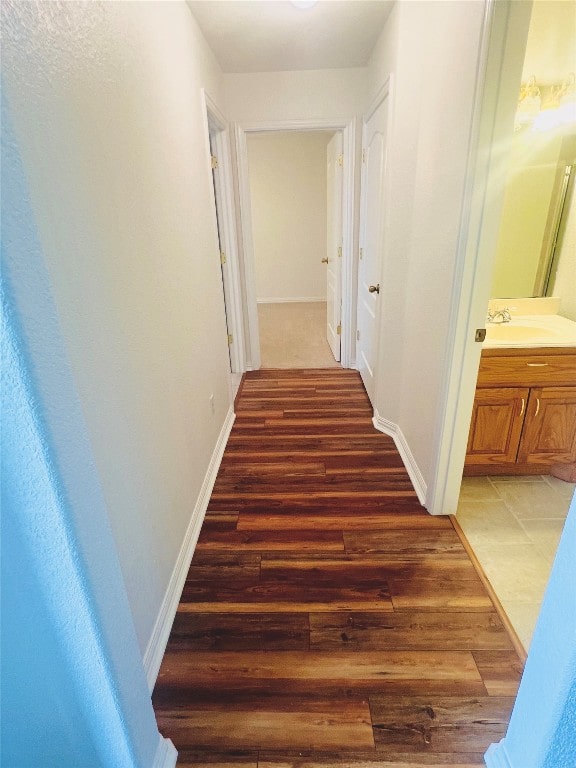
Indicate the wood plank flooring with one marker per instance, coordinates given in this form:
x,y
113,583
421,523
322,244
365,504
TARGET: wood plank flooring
x,y
327,619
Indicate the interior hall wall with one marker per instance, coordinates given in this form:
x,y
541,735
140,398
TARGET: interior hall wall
x,y
321,94
288,202
111,127
428,155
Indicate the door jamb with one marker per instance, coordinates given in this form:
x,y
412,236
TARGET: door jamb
x,y
348,129
500,68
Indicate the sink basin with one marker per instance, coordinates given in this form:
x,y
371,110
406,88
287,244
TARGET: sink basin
x,y
505,332
532,331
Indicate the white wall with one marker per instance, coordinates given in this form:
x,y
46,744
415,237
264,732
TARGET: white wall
x,y
304,95
72,675
109,117
383,58
288,202
428,154
550,44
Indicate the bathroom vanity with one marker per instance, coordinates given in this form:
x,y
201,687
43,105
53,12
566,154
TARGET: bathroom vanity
x,y
524,415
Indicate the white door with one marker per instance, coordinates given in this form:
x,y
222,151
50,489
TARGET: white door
x,y
371,238
217,205
333,258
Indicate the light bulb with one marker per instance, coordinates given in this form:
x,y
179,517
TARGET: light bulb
x,y
303,4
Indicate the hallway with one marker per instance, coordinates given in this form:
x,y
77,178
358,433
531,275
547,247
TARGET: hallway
x,y
327,619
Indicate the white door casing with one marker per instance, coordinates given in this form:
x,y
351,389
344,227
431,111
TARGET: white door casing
x,y
499,72
372,214
347,128
334,243
223,256
218,145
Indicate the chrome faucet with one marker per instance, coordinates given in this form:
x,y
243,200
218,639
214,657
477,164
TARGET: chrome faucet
x,y
499,316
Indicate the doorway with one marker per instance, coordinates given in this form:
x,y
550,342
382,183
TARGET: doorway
x,y
512,523
296,223
272,285
514,520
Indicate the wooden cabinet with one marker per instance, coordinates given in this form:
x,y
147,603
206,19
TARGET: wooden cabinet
x,y
549,433
496,425
523,429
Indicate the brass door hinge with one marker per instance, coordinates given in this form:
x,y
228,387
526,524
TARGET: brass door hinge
x,y
339,329
214,161
357,335
222,257
363,155
341,160
361,252
230,339
340,252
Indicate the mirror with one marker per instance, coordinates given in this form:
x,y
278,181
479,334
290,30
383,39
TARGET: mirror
x,y
544,143
540,176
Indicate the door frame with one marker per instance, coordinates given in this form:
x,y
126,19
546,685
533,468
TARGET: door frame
x,y
348,130
334,155
217,128
500,64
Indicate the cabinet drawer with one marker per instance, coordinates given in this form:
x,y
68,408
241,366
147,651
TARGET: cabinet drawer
x,y
527,370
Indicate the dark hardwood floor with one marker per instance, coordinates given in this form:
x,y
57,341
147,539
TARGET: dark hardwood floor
x,y
327,619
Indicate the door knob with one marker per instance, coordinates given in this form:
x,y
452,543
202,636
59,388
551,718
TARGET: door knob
x,y
324,261
374,288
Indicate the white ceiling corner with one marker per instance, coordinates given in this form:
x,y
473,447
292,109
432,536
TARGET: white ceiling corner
x,y
274,36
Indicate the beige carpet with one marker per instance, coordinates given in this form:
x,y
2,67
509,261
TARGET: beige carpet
x,y
293,335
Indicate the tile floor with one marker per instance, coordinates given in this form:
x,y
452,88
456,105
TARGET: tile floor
x,y
513,525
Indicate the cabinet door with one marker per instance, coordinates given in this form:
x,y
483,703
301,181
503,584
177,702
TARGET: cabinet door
x,y
496,425
549,434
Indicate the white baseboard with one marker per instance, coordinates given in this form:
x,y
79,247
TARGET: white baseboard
x,y
497,757
235,381
160,633
166,754
394,431
299,300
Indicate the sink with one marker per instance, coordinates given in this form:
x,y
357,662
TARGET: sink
x,y
505,332
532,331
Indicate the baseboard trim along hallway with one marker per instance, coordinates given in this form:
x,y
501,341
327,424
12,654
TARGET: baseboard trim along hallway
x,y
389,428
159,638
327,620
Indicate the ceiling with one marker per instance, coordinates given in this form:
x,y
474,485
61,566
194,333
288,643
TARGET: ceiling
x,y
275,36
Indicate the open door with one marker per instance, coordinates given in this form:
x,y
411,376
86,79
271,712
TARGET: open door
x,y
372,237
217,205
333,258
222,187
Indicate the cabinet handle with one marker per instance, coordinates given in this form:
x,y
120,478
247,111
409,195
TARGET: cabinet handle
x,y
537,365
523,404
537,406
